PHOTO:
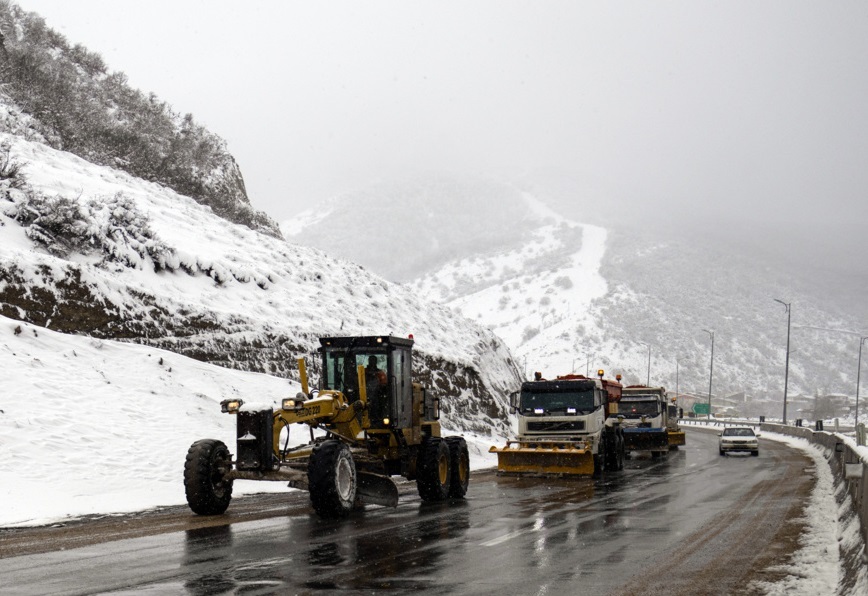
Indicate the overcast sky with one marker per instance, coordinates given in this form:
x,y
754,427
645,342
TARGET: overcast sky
x,y
758,109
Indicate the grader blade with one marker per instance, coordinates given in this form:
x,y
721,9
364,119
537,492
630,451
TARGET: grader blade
x,y
544,459
374,489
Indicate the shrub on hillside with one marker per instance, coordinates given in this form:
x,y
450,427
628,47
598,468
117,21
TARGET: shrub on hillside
x,y
11,169
112,226
76,105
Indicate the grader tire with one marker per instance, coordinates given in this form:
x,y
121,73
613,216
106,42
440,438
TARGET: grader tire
x,y
459,464
332,481
208,491
434,476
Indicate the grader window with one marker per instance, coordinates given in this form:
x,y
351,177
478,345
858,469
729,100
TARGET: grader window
x,y
342,371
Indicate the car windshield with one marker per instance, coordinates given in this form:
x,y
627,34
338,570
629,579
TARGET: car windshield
x,y
550,397
738,432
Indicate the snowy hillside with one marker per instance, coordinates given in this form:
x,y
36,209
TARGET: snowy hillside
x,y
534,295
94,426
87,249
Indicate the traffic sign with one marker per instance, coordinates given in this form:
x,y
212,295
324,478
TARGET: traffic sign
x,y
700,408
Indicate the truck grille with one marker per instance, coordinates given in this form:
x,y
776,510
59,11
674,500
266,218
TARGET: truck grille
x,y
551,426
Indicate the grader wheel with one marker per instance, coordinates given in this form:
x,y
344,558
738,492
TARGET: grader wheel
x,y
332,481
205,484
459,462
434,476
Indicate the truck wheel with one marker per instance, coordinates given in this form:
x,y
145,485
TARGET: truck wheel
x,y
331,476
599,464
434,477
208,491
755,453
622,455
459,464
722,452
611,444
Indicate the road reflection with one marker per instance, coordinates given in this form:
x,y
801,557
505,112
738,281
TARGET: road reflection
x,y
204,549
406,556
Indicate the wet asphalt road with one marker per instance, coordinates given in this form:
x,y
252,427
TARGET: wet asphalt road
x,y
689,523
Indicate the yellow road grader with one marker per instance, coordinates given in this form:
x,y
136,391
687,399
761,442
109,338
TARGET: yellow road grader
x,y
376,423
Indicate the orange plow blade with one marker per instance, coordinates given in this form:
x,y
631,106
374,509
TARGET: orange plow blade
x,y
676,438
544,459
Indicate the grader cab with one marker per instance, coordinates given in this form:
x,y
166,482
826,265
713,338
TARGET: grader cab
x,y
377,423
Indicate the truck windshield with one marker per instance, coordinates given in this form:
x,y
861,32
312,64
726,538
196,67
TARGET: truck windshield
x,y
637,409
558,397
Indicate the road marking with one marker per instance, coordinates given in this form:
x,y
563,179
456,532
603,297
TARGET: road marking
x,y
502,539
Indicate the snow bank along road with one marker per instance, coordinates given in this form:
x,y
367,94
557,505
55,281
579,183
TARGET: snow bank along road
x,y
691,523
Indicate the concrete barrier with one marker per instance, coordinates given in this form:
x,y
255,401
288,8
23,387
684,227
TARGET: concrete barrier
x,y
845,462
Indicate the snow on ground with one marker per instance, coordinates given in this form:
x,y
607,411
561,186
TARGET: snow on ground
x,y
100,427
93,426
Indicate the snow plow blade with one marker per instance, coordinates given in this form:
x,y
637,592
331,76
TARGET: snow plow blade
x,y
641,439
374,489
676,438
544,459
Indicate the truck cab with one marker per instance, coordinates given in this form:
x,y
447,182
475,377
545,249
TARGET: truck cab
x,y
645,419
563,428
567,410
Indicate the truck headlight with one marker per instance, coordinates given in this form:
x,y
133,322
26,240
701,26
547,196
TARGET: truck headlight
x,y
231,406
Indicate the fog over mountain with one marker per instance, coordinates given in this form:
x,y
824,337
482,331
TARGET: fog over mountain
x,y
593,290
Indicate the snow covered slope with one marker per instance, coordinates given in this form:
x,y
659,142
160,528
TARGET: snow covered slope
x,y
134,260
95,426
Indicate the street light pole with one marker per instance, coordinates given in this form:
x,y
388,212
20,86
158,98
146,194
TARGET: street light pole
x,y
710,372
787,364
676,379
587,363
859,376
648,378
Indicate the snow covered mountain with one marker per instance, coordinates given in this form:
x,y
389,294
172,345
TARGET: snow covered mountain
x,y
569,296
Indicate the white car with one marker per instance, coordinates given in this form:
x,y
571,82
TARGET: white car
x,y
739,438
